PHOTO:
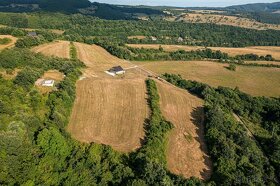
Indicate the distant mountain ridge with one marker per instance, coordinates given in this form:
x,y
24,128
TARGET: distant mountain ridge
x,y
263,7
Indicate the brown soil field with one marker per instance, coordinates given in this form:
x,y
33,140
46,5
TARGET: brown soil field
x,y
136,37
186,151
9,45
257,81
58,49
108,110
223,20
259,50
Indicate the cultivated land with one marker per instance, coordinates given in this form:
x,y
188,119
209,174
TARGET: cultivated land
x,y
9,45
259,50
108,110
53,74
186,152
57,48
257,81
223,20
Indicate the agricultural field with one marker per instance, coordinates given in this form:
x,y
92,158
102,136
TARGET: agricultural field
x,y
57,48
186,151
108,110
258,50
252,80
223,20
137,37
10,44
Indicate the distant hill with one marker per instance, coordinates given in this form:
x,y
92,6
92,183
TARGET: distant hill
x,y
256,7
105,11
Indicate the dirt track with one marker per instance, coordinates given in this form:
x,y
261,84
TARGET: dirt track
x,y
186,152
58,48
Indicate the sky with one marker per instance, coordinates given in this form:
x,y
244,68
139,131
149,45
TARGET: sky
x,y
185,3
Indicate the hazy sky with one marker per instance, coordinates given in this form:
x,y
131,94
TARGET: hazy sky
x,y
184,3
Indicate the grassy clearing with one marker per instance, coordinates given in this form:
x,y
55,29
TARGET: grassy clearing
x,y
58,49
186,149
257,81
7,41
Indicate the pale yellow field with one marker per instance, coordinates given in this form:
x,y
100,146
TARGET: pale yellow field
x,y
136,37
186,151
9,45
257,81
58,49
223,20
53,74
108,110
259,50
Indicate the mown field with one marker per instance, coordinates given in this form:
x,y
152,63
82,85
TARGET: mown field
x,y
257,81
57,48
258,50
186,151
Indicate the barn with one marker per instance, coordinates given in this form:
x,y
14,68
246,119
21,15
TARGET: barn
x,y
48,83
117,70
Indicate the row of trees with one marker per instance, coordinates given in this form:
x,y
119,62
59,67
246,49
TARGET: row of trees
x,y
79,26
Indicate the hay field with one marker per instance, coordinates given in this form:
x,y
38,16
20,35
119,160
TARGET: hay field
x,y
108,110
53,74
9,45
223,20
57,48
186,151
111,112
257,81
259,50
97,60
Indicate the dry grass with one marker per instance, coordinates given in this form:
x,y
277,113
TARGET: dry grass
x,y
97,60
259,50
9,45
111,112
136,37
223,20
108,110
54,75
186,152
58,49
257,81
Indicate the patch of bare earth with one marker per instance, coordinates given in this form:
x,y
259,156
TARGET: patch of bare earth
x,y
58,49
186,152
108,110
10,44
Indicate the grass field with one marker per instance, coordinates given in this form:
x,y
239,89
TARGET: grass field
x,y
53,74
259,50
223,20
57,48
257,81
108,110
10,44
186,152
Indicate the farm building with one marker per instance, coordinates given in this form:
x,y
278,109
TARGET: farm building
x,y
48,83
32,34
117,70
153,38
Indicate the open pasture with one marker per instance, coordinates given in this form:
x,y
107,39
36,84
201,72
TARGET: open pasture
x,y
57,48
9,44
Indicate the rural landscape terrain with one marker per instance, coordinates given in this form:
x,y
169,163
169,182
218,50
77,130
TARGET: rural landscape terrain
x,y
99,94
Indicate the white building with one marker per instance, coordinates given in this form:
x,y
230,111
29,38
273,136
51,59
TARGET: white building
x,y
117,70
48,83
